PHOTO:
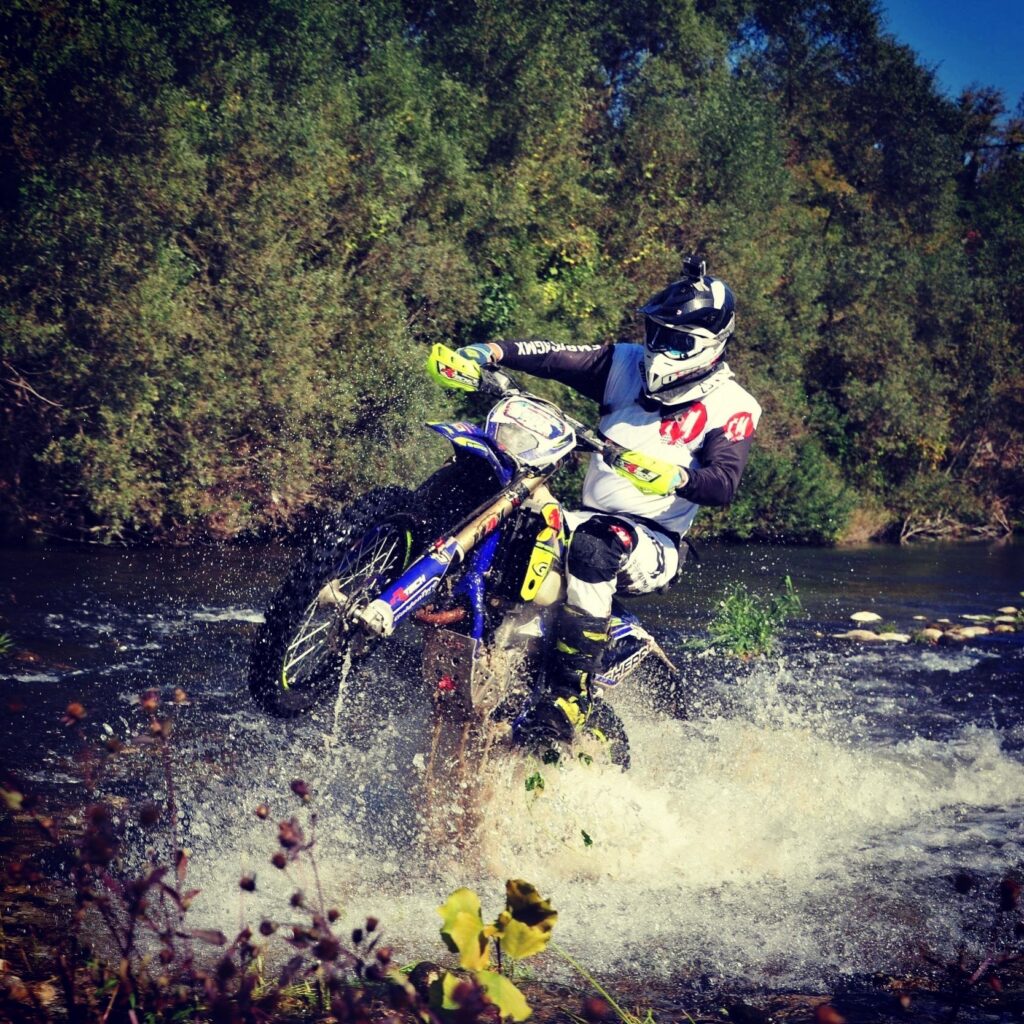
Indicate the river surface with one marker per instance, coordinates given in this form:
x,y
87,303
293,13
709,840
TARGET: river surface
x,y
788,824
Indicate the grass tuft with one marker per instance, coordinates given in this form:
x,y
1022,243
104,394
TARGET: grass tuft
x,y
747,624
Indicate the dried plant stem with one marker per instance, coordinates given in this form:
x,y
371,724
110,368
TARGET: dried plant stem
x,y
172,803
624,1015
110,1005
316,868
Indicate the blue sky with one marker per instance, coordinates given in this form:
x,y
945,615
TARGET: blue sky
x,y
980,41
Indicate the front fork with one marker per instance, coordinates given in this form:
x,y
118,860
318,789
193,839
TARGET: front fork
x,y
419,582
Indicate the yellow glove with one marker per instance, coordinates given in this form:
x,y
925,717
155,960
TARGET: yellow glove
x,y
648,474
451,370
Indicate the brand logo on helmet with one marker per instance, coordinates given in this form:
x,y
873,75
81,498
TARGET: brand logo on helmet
x,y
739,427
685,426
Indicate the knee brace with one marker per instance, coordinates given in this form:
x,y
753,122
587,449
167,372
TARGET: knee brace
x,y
599,549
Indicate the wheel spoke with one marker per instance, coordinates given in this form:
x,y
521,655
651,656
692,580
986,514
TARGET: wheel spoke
x,y
313,637
304,639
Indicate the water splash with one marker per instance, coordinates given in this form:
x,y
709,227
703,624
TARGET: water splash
x,y
774,844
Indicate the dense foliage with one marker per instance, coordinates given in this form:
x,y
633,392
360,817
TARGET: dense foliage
x,y
229,231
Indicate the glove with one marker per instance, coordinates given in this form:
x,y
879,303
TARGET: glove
x,y
481,354
646,473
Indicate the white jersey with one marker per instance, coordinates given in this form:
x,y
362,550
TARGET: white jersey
x,y
708,433
676,434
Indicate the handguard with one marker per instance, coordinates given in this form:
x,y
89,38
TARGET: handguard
x,y
447,368
646,473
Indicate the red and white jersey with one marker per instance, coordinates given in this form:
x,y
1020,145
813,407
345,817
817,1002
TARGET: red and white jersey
x,y
709,434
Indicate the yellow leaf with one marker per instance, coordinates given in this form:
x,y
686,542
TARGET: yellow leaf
x,y
463,929
449,983
528,906
520,940
462,900
505,996
12,798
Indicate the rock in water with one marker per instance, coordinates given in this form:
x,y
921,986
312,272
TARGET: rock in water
x,y
970,632
866,617
857,634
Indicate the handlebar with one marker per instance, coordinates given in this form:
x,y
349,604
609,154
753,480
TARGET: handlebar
x,y
648,473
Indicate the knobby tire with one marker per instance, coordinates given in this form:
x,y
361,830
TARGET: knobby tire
x,y
301,648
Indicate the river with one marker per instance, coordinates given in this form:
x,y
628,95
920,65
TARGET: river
x,y
792,824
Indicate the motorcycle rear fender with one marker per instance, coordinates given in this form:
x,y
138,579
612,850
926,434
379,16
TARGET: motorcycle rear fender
x,y
469,438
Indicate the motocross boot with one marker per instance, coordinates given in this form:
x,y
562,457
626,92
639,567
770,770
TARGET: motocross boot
x,y
563,703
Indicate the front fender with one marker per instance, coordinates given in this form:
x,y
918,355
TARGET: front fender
x,y
467,437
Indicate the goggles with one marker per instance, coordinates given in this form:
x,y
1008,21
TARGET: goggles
x,y
662,338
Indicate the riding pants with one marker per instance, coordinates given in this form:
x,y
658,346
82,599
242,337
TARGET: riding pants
x,y
609,553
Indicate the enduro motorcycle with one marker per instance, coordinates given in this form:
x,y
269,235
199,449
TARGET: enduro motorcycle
x,y
473,556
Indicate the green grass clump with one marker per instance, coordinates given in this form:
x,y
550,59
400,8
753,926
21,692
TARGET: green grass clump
x,y
747,624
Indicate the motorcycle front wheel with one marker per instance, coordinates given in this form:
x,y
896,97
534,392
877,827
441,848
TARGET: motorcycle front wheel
x,y
308,638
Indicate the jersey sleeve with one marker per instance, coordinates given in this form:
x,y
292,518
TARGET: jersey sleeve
x,y
584,368
722,461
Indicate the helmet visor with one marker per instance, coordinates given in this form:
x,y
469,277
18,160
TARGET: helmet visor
x,y
661,338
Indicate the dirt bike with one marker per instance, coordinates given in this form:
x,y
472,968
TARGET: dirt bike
x,y
473,556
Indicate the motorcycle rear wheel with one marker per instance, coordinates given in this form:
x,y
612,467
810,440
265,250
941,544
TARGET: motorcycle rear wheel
x,y
300,653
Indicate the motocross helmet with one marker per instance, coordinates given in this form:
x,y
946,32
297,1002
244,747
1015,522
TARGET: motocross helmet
x,y
687,327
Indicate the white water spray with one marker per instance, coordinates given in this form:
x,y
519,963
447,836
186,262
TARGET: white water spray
x,y
777,844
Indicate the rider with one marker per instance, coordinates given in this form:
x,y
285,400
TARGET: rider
x,y
673,398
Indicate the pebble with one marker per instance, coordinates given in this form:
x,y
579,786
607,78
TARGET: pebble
x,y
895,638
866,617
1002,628
1008,610
1005,620
857,634
970,632
931,634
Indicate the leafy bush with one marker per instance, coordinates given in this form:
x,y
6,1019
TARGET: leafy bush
x,y
747,624
796,496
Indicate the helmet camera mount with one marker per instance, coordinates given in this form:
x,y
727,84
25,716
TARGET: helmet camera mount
x,y
694,268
